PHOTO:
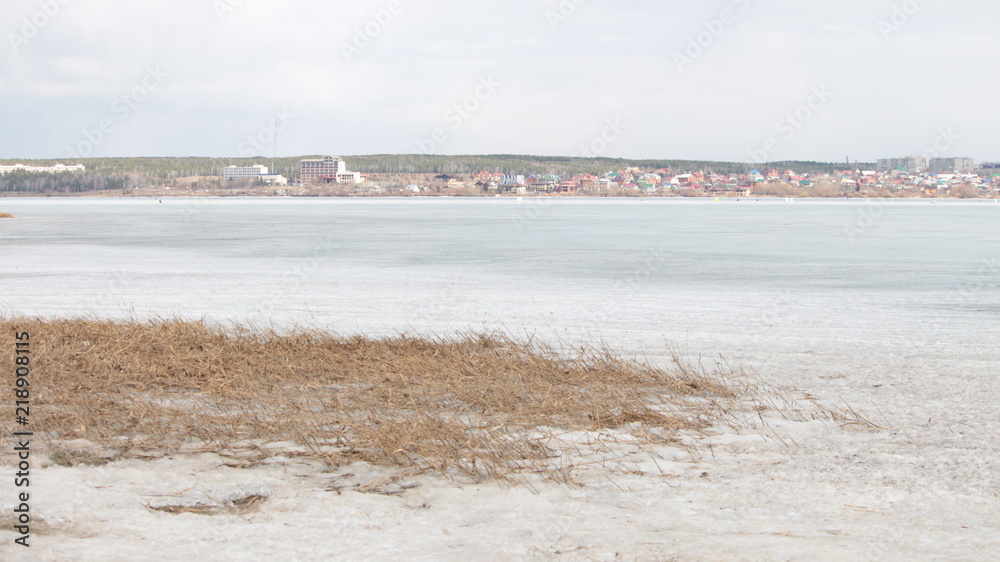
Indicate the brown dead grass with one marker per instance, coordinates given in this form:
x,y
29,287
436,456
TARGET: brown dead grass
x,y
470,406
239,506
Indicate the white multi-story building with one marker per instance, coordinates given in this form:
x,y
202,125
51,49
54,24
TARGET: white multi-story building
x,y
350,177
58,168
274,179
908,164
244,172
959,165
511,179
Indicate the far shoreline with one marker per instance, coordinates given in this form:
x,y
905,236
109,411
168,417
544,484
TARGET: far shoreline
x,y
177,194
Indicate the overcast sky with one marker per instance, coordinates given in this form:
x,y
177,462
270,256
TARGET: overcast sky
x,y
737,80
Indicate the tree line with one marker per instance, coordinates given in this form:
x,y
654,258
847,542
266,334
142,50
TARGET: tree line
x,y
64,182
127,173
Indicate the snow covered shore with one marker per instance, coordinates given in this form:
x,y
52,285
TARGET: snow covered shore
x,y
899,324
923,487
836,495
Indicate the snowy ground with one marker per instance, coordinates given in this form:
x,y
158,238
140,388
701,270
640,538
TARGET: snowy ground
x,y
837,495
900,324
924,487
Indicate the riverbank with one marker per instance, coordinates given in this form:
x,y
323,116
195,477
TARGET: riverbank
x,y
888,310
323,192
171,439
479,406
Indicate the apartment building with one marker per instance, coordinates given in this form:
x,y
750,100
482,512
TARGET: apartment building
x,y
947,165
321,170
908,164
244,172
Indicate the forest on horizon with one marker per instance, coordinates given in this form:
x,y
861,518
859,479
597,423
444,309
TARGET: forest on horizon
x,y
131,172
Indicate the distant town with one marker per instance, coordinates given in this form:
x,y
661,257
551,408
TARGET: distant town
x,y
911,176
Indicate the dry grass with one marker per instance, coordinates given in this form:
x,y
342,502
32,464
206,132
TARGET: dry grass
x,y
239,506
466,406
6,216
64,457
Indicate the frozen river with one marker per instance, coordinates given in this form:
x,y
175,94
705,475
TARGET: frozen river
x,y
797,289
637,272
892,307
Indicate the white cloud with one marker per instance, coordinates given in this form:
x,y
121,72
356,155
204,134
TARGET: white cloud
x,y
602,60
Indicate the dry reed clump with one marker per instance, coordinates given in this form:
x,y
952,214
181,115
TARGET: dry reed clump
x,y
6,216
244,503
466,405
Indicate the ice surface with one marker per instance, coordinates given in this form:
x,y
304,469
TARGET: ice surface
x,y
897,316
